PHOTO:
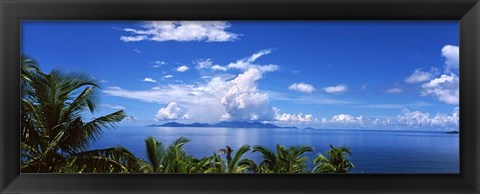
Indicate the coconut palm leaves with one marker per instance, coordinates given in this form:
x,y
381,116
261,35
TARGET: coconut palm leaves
x,y
173,159
337,161
286,160
176,159
154,152
237,164
54,134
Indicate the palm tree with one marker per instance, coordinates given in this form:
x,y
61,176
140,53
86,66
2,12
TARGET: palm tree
x,y
337,161
173,159
286,160
237,164
54,134
176,158
155,153
270,163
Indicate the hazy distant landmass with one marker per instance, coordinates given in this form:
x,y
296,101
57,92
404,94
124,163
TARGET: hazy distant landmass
x,y
223,124
453,132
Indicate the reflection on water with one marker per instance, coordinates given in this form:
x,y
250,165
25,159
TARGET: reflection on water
x,y
374,151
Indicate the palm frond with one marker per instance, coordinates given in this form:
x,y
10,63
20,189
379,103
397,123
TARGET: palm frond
x,y
117,159
154,152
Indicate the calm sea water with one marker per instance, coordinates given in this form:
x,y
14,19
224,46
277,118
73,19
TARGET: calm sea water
x,y
374,151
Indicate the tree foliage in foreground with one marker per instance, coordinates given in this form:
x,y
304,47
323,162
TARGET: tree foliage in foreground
x,y
54,134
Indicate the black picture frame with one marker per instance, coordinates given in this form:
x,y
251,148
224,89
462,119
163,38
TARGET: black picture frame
x,y
12,12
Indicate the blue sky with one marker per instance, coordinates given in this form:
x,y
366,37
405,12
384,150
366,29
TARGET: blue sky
x,y
330,74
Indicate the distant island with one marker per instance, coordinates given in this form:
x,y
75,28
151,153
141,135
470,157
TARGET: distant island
x,y
223,124
452,132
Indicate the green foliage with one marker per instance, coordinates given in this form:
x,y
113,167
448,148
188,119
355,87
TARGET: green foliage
x,y
286,160
337,161
54,136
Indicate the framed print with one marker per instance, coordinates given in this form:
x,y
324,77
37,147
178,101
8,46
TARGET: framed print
x,y
240,96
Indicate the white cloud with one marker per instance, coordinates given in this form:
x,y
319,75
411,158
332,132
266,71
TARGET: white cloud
x,y
243,101
336,89
171,112
158,63
394,90
221,97
218,67
452,57
168,76
445,88
182,68
415,118
248,63
203,63
346,119
118,107
418,119
208,31
149,79
137,51
380,121
257,55
445,120
419,76
133,38
302,87
295,118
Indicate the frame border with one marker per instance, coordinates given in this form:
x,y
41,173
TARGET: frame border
x,y
14,11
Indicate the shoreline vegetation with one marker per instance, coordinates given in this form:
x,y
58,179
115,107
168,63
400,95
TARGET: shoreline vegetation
x,y
55,137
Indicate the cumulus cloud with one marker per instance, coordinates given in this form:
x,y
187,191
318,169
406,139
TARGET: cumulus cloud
x,y
149,79
336,89
248,63
346,119
394,90
407,118
417,119
445,120
445,88
302,87
182,68
295,118
208,31
168,76
171,112
420,76
222,97
243,100
452,57
380,121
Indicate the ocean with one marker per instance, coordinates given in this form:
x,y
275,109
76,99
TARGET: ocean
x,y
373,151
